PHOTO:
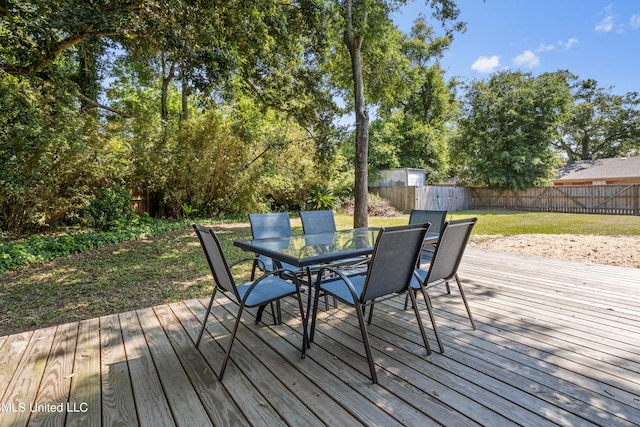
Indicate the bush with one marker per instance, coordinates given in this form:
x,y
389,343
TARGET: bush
x,y
111,209
321,198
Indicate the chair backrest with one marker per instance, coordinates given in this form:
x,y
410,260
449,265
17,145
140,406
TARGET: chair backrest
x,y
453,241
317,222
395,255
215,257
264,226
435,218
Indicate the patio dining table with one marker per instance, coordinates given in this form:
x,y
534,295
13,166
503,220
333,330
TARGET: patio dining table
x,y
312,250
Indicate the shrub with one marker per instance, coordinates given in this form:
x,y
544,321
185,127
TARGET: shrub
x,y
321,198
111,209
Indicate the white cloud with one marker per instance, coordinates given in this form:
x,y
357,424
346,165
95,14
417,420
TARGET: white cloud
x,y
486,64
527,59
545,47
635,21
568,44
559,45
606,24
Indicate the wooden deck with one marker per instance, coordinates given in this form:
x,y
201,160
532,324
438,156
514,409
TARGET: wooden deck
x,y
558,343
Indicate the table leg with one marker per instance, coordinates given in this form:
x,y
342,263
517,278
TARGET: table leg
x,y
305,319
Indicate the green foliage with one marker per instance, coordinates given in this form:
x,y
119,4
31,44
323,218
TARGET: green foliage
x,y
599,124
43,248
188,210
321,198
505,135
111,209
402,140
47,168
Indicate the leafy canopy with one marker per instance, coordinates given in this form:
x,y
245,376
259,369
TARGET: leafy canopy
x,y
599,124
507,127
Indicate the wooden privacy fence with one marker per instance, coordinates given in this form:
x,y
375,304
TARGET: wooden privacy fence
x,y
593,199
446,198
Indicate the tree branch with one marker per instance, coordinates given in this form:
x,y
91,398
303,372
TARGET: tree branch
x,y
104,107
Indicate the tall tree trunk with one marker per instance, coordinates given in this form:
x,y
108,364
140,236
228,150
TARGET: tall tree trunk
x,y
354,44
185,95
167,76
585,153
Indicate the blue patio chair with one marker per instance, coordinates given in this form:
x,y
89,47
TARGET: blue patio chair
x,y
317,221
314,222
265,226
268,288
436,219
444,266
390,272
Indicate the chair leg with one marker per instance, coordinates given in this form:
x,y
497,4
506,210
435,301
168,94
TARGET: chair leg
x,y
466,304
260,313
406,297
365,340
370,318
420,324
305,344
253,269
231,339
427,301
277,313
314,313
206,316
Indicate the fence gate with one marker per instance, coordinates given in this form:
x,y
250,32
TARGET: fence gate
x,y
592,199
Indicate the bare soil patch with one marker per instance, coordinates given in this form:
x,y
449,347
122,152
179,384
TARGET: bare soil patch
x,y
610,250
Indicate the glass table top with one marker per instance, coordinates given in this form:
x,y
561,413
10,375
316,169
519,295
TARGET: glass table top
x,y
307,249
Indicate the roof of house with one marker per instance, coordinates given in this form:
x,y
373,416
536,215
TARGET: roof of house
x,y
622,167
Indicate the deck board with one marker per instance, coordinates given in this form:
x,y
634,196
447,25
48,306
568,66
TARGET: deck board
x,y
118,407
56,380
557,343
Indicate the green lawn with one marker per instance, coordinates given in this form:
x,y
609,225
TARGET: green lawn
x,y
171,267
512,222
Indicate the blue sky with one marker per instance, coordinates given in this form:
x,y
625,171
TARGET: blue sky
x,y
592,39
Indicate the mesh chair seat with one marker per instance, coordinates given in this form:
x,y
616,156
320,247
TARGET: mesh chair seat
x,y
337,288
270,288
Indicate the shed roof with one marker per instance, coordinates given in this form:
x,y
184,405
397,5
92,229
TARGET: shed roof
x,y
622,167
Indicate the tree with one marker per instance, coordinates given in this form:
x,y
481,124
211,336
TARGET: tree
x,y
365,25
217,52
599,124
413,125
505,135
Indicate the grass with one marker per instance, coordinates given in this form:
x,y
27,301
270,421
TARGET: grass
x,y
155,270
